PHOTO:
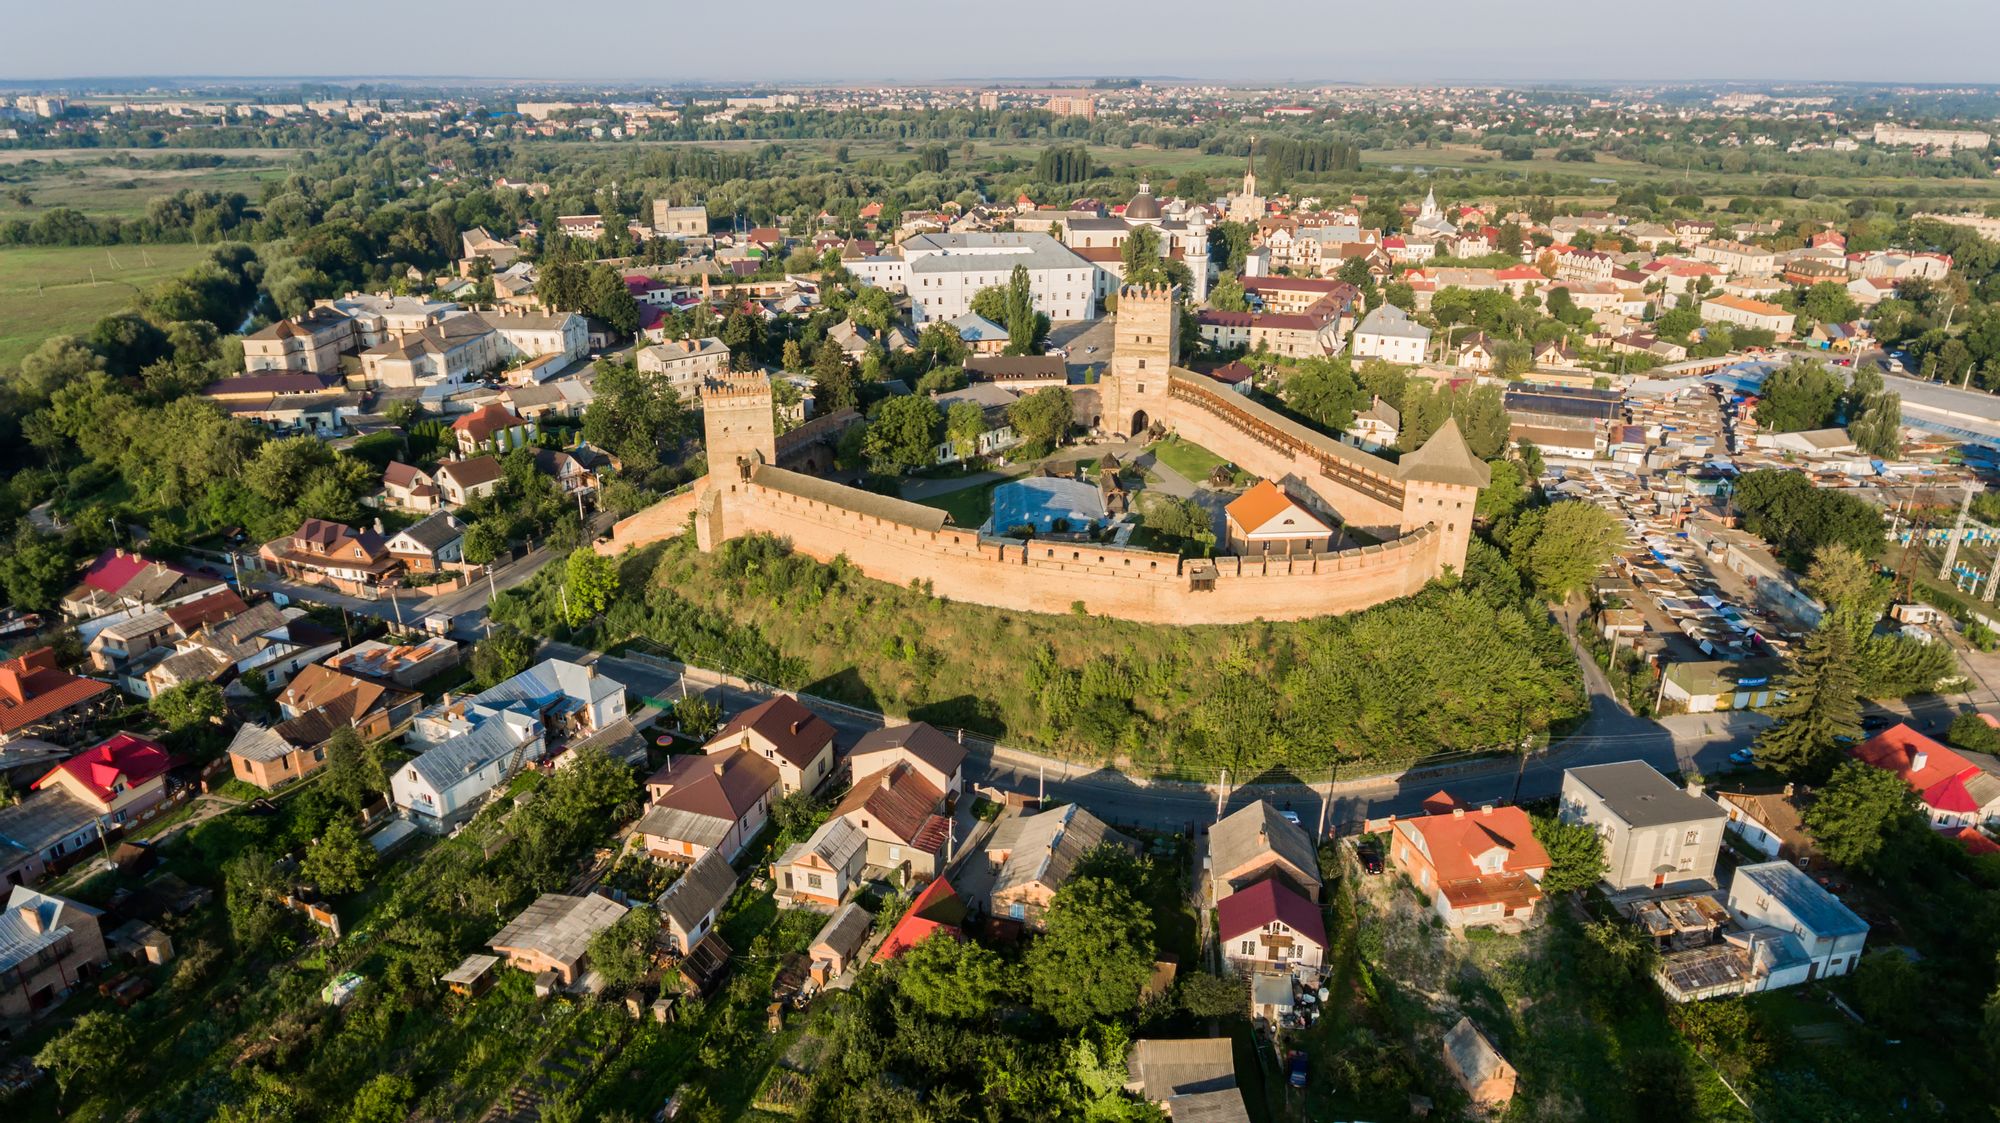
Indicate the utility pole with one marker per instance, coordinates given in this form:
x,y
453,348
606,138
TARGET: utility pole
x,y
1221,793
1957,532
1521,766
1326,804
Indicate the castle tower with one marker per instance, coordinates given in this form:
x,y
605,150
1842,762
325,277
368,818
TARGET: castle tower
x,y
1145,346
737,426
1441,483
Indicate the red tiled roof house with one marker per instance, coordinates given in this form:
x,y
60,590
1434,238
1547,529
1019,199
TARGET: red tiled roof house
x,y
1479,867
1951,790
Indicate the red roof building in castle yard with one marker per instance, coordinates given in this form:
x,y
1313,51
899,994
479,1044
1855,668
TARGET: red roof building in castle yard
x,y
1952,790
121,776
38,697
1480,867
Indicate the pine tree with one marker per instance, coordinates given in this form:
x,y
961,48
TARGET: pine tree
x,y
1822,702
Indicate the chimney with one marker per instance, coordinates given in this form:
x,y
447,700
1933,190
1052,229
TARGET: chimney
x,y
1486,810
718,766
378,526
1458,812
1788,791
1264,837
1918,759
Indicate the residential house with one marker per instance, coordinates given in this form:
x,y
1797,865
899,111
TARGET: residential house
x,y
839,941
480,242
1952,791
1387,332
707,802
492,428
408,488
1743,312
430,545
554,934
574,470
788,735
474,744
276,643
323,552
1376,427
820,871
118,779
938,908
1268,520
1780,896
1192,1080
993,400
1270,927
40,699
1655,834
980,335
1255,842
1475,352
124,646
1768,822
1480,867
1034,855
687,363
119,580
49,945
1478,1067
287,402
690,906
311,342
931,754
404,664
462,481
900,812
1297,334
319,701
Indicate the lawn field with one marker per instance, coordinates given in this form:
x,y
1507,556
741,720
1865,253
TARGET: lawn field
x,y
106,189
1469,157
49,290
968,507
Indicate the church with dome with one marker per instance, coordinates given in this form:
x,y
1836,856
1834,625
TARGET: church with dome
x,y
1183,228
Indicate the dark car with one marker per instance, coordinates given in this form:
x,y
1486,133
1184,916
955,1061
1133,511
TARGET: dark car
x,y
1295,1070
1875,723
1371,857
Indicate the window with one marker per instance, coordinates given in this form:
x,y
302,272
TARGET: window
x,y
1249,947
812,881
1017,911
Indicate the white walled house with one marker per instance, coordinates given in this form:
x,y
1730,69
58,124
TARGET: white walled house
x,y
1387,332
947,270
1781,897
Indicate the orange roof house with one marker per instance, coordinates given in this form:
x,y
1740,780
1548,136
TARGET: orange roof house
x,y
37,696
1268,520
1480,867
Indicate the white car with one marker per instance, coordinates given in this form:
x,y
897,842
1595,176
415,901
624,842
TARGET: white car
x,y
1291,817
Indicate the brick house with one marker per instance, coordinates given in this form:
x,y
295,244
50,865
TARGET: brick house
x,y
324,552
1270,927
819,871
39,698
782,731
704,803
48,945
1479,867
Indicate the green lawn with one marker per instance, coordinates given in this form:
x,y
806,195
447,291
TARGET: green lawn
x,y
106,189
49,290
968,507
1189,459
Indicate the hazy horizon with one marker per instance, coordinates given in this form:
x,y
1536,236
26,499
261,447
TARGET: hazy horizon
x,y
789,42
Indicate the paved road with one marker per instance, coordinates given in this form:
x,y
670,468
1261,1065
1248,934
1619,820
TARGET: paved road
x,y
467,607
1610,733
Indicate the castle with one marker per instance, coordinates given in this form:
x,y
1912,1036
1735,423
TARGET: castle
x,y
1419,509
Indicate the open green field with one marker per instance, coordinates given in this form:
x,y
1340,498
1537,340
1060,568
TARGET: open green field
x,y
968,506
1470,157
107,189
84,155
49,290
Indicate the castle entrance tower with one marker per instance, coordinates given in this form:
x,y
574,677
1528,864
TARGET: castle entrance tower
x,y
737,427
1145,346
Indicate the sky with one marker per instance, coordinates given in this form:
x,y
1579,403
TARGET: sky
x,y
808,41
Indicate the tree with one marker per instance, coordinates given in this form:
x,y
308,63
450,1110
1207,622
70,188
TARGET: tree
x,y
611,301
354,769
1042,419
502,655
187,706
622,954
1209,996
636,416
1827,302
903,434
1324,392
1877,427
1860,814
1796,518
964,424
485,540
834,388
385,1098
1892,993
1228,295
697,716
1799,396
1821,704
1576,854
251,882
1562,546
1022,322
950,978
339,863
1848,585
1970,731
1095,955
590,581
35,571
96,1042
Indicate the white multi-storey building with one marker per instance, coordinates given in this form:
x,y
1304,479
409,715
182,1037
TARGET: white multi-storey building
x,y
946,270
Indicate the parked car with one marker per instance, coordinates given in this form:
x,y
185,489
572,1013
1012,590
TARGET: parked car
x,y
1371,857
1291,817
1295,1069
1875,723
1743,757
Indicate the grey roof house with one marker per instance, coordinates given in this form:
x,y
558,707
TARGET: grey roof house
x,y
1656,835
